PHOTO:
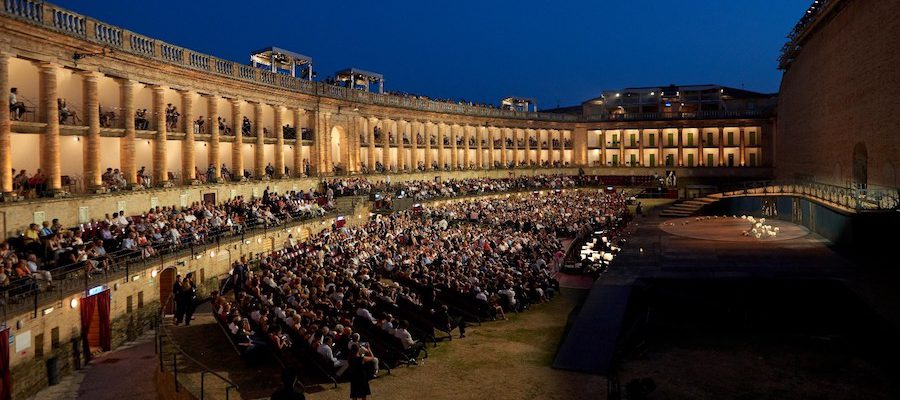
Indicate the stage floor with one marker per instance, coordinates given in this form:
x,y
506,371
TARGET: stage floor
x,y
729,229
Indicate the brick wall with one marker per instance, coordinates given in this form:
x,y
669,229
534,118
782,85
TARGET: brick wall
x,y
842,90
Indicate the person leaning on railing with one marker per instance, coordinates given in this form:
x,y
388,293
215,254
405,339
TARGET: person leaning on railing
x,y
16,107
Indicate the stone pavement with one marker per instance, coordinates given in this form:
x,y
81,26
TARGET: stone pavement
x,y
124,373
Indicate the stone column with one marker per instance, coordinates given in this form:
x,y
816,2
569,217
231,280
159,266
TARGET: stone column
x,y
415,130
659,144
160,172
579,146
237,147
50,158
721,146
551,154
279,141
386,125
641,146
679,132
442,157
402,161
126,152
428,128
742,144
465,129
212,122
298,143
6,178
562,147
491,156
621,147
540,146
259,153
528,154
188,160
370,131
479,148
325,143
504,158
702,161
93,177
454,150
602,148
515,142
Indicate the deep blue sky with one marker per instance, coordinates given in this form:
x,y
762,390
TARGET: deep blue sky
x,y
555,51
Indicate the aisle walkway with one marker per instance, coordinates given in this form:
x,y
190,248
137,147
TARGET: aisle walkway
x,y
111,376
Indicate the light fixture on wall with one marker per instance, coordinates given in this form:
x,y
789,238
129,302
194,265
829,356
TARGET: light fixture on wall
x,y
74,302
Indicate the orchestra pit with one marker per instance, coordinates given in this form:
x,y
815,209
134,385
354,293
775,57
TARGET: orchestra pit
x,y
178,225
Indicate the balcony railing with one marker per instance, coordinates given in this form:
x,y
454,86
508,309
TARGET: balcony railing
x,y
73,24
658,116
858,199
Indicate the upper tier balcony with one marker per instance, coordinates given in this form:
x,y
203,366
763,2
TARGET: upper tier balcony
x,y
117,39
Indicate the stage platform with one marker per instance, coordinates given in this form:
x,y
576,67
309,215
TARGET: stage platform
x,y
686,248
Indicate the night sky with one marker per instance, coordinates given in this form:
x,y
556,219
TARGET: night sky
x,y
559,52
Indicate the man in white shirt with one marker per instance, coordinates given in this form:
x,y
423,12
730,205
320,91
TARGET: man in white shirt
x,y
410,345
364,313
325,351
122,221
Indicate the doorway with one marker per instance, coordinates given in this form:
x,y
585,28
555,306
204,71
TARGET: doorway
x,y
336,147
166,283
96,333
209,198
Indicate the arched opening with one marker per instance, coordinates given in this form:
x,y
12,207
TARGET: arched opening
x,y
860,166
337,144
166,283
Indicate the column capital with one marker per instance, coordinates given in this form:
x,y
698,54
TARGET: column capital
x,y
89,75
46,66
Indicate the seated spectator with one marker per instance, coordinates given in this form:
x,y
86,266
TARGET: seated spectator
x,y
327,353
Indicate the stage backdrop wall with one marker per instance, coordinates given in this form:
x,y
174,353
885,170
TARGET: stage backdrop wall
x,y
862,234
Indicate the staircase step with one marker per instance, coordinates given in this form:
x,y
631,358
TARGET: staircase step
x,y
684,208
673,214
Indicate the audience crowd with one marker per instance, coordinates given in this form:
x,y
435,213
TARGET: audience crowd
x,y
380,289
27,258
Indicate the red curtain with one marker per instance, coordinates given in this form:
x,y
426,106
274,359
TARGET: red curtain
x,y
5,383
103,301
88,305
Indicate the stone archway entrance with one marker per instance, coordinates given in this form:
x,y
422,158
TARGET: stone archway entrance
x,y
337,149
860,166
